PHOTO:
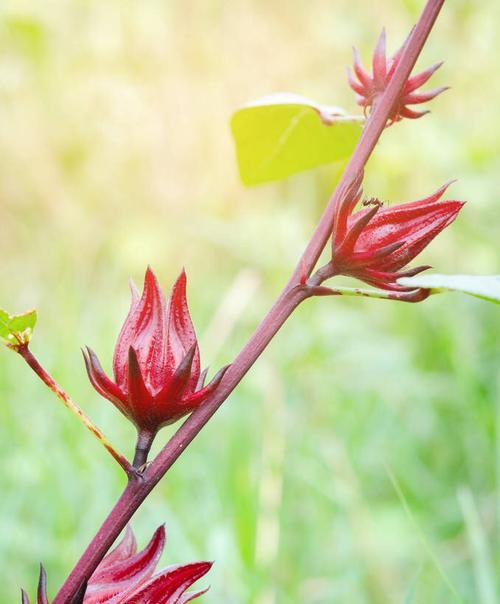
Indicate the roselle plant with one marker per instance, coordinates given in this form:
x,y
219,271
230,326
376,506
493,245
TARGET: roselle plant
x,y
157,372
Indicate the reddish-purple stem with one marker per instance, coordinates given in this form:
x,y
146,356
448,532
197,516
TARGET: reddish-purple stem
x,y
293,293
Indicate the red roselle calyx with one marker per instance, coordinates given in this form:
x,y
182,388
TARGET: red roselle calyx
x,y
126,577
369,88
156,363
376,242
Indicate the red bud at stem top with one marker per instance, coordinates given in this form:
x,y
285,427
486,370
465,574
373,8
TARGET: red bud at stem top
x,y
156,363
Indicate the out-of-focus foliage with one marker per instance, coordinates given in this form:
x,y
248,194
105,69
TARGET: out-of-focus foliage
x,y
116,152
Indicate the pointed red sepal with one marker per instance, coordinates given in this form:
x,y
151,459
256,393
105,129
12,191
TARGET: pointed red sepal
x,y
418,203
371,257
369,277
169,585
370,87
393,276
424,97
125,549
192,595
344,209
144,329
41,597
126,573
24,597
199,397
178,383
361,73
356,86
411,114
421,78
137,566
201,379
42,587
379,62
181,335
355,229
139,398
101,382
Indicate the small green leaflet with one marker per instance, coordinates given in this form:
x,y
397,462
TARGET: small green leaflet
x,y
284,133
486,287
16,330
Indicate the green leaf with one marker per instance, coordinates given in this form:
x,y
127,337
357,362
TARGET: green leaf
x,y
16,330
486,287
285,133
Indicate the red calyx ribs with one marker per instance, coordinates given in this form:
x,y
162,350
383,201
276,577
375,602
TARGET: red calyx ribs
x,y
157,377
376,242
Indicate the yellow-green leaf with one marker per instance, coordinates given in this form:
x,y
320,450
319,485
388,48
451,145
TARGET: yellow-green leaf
x,y
283,134
486,287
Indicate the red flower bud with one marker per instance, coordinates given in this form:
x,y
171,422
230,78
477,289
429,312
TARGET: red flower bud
x,y
126,577
156,361
41,591
369,88
375,243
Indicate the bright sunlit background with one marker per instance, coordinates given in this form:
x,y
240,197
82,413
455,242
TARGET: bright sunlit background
x,y
359,462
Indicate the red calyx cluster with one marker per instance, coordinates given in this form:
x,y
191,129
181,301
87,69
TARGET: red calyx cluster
x,y
375,243
125,576
156,361
369,88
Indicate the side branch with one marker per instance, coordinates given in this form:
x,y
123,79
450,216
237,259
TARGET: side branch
x,y
49,381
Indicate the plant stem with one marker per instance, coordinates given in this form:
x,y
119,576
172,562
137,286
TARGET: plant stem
x,y
141,485
293,293
144,441
49,381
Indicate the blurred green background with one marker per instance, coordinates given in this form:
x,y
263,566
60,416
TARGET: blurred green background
x,y
359,462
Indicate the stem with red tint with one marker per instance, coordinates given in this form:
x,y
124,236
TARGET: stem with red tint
x,y
49,381
292,294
